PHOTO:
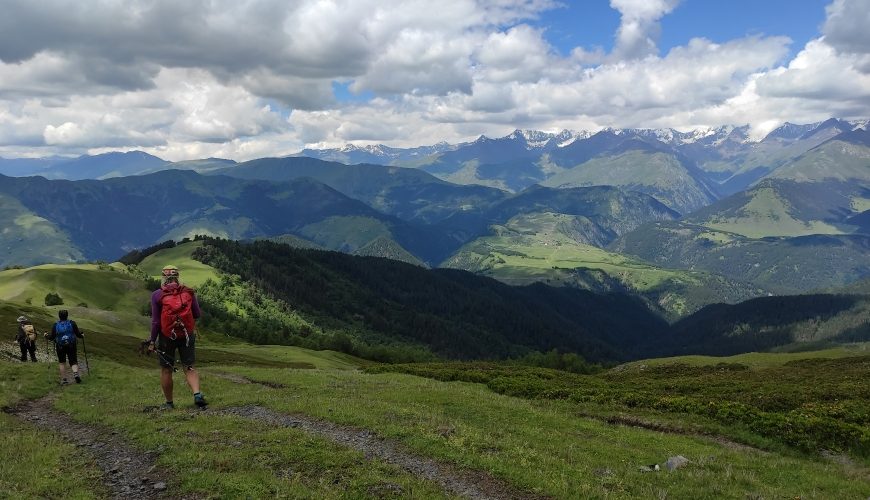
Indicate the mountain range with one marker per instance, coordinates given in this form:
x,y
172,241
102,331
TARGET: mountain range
x,y
680,219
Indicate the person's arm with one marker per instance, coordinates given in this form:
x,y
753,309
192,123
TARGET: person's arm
x,y
76,330
51,335
20,334
155,315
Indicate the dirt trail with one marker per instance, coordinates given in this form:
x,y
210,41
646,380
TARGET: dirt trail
x,y
464,483
630,421
127,472
467,484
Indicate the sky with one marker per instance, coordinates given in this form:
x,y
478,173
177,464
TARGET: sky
x,y
243,79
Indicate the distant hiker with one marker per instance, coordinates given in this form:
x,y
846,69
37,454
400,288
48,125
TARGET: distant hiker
x,y
26,339
174,310
64,334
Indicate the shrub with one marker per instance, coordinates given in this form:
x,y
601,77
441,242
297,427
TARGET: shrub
x,y
53,299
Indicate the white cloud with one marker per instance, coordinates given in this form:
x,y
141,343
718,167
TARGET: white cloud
x,y
846,30
519,54
242,79
639,28
846,26
419,62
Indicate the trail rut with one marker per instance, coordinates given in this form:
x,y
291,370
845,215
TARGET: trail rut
x,y
127,472
468,484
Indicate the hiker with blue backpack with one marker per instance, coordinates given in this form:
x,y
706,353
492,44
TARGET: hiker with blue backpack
x,y
64,333
174,310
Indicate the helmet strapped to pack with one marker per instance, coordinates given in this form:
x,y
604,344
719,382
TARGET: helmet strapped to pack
x,y
169,273
22,319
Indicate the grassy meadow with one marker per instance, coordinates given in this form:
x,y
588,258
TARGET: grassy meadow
x,y
193,273
767,214
543,433
534,247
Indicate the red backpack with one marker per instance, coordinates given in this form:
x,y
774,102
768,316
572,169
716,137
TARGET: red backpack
x,y
176,313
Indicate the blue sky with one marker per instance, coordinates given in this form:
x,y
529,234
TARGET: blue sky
x,y
593,22
270,77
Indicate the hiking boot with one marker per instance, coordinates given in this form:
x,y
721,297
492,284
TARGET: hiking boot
x,y
169,405
78,379
64,382
199,400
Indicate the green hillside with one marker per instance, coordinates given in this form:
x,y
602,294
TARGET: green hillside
x,y
104,219
528,247
754,359
835,160
816,192
780,265
387,248
345,234
658,174
101,287
295,241
599,213
407,193
290,422
764,323
453,314
745,164
766,212
548,247
808,403
194,272
26,238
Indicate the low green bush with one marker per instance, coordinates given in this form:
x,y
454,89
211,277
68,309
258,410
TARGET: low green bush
x,y
812,405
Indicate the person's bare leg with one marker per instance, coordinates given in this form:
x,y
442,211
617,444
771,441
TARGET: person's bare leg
x,y
166,382
75,369
192,378
62,367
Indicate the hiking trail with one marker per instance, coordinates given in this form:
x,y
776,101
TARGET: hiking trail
x,y
127,471
464,483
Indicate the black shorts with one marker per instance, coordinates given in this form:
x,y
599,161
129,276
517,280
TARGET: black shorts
x,y
167,347
69,350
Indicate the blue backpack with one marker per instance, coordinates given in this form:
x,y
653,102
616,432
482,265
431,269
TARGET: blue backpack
x,y
64,333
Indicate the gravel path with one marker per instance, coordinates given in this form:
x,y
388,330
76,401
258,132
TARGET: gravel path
x,y
127,472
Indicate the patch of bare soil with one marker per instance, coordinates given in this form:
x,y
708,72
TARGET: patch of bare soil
x,y
127,472
852,467
232,377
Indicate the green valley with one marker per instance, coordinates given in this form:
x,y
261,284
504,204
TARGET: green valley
x,y
550,248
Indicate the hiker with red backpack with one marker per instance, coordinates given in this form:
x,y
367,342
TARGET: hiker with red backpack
x,y
64,334
26,339
174,310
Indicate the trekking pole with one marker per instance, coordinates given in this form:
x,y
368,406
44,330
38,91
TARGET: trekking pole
x,y
85,348
48,360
